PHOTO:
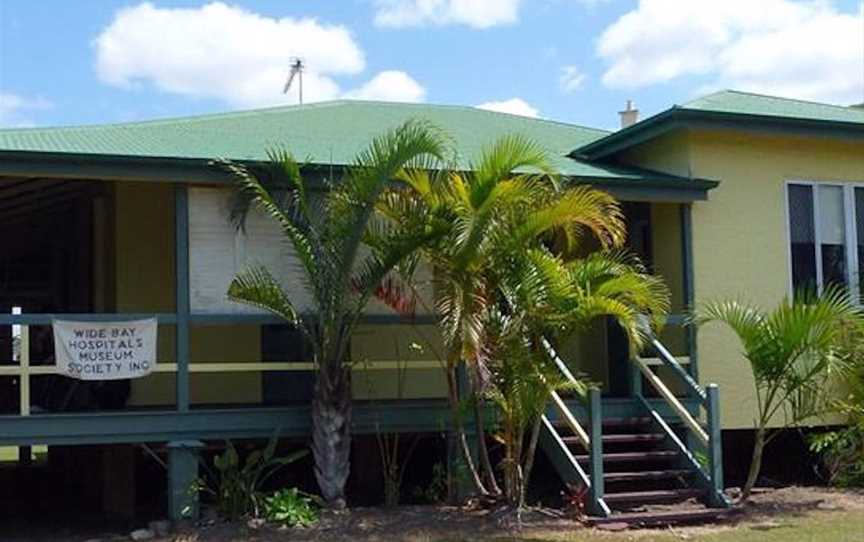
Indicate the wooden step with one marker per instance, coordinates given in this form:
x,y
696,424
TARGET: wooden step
x,y
633,437
622,438
611,422
656,519
627,457
649,497
645,475
633,421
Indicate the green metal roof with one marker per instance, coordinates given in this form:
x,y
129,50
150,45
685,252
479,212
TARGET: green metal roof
x,y
324,133
329,133
737,110
747,103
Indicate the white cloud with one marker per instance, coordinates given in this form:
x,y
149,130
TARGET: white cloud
x,y
809,49
473,13
571,78
514,106
393,86
231,54
14,109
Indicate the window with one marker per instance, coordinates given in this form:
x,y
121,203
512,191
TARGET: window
x,y
826,232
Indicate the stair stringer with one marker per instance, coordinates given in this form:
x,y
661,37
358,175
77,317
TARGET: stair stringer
x,y
568,468
716,499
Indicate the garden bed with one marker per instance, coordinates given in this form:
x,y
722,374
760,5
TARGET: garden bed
x,y
785,515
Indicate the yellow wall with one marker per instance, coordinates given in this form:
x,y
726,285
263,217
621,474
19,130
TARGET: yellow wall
x,y
666,241
144,260
396,343
740,238
739,234
669,153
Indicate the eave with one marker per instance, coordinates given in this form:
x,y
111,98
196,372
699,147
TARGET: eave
x,y
678,118
631,185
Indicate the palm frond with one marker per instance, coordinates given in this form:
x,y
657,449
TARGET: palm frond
x,y
576,209
353,202
257,287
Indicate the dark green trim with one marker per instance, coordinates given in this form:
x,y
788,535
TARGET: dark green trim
x,y
595,415
677,118
680,194
183,464
638,185
236,423
715,447
117,168
214,424
689,459
672,364
181,287
167,318
686,217
568,469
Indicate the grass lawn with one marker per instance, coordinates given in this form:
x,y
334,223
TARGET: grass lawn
x,y
9,454
815,527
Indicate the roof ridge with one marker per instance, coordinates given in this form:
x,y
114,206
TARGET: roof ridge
x,y
285,108
238,113
770,96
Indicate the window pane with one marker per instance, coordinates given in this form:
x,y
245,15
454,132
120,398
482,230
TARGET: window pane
x,y
832,235
802,236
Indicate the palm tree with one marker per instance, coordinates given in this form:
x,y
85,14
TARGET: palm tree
x,y
548,297
794,352
326,232
507,222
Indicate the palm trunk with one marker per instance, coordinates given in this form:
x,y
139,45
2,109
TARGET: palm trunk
x,y
529,460
755,464
461,439
331,437
482,448
511,460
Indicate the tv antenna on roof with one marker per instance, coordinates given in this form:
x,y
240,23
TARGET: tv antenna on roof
x,y
296,71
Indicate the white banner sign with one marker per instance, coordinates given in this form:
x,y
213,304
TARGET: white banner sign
x,y
105,350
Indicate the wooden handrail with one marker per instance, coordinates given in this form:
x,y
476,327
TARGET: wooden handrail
x,y
559,362
669,361
673,401
565,413
232,367
571,421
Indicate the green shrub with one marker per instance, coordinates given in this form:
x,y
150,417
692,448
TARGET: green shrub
x,y
842,454
291,507
236,481
842,450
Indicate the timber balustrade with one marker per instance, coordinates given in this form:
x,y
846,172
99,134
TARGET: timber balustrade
x,y
708,437
560,452
23,369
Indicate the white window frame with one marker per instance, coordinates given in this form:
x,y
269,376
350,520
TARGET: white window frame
x,y
851,231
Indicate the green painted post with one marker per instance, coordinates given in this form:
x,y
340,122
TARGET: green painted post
x,y
688,284
183,479
635,380
715,446
181,263
596,450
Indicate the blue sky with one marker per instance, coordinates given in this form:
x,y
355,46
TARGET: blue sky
x,y
81,62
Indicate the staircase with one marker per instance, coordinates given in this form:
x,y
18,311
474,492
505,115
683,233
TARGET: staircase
x,y
640,470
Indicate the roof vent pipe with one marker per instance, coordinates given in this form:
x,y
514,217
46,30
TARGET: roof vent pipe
x,y
630,115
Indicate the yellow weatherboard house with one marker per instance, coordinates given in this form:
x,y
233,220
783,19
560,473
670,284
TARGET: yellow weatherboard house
x,y
730,195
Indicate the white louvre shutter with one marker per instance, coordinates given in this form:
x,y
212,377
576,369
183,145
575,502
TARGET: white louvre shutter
x,y
217,252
